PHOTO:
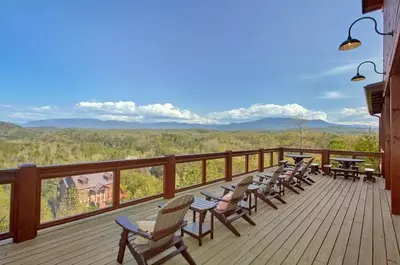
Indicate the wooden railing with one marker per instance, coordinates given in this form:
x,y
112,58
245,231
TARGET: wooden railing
x,y
26,181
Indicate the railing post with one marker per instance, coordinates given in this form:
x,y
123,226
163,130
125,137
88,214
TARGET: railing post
x,y
325,160
246,163
203,171
280,154
228,166
169,177
26,204
261,160
271,159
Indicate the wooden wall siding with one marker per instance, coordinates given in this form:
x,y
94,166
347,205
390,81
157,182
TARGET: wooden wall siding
x,y
391,18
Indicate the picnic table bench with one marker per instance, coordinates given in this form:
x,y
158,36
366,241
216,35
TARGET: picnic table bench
x,y
345,172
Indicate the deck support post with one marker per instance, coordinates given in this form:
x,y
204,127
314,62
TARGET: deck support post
x,y
386,155
395,142
169,177
26,204
228,166
261,160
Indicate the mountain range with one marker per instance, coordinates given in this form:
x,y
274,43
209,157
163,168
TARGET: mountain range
x,y
261,124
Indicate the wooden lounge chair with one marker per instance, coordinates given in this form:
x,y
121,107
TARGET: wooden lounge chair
x,y
288,180
302,175
169,220
266,190
233,210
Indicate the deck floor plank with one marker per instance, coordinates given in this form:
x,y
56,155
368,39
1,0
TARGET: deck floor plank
x,y
332,222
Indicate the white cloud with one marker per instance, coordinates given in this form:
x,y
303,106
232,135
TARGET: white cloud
x,y
27,116
334,94
354,116
108,117
354,112
44,108
267,110
129,111
155,112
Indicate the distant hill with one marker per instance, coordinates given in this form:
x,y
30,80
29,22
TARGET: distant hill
x,y
8,125
262,124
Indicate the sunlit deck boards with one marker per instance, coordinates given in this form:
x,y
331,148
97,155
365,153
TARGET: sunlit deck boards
x,y
332,222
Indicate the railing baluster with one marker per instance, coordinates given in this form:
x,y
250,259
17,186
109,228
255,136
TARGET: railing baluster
x,y
228,166
116,188
246,163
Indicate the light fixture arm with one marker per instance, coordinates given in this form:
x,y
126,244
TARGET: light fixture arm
x,y
376,27
358,68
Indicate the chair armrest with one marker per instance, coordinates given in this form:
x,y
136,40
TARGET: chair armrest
x,y
212,196
227,188
124,222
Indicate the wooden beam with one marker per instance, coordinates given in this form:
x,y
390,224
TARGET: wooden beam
x,y
395,142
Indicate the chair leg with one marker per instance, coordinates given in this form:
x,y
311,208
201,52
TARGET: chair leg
x,y
279,198
232,228
305,181
248,219
185,253
225,222
266,200
291,188
122,246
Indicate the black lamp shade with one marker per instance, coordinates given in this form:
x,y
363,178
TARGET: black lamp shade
x,y
349,44
358,77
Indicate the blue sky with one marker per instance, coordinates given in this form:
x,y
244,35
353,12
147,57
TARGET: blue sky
x,y
191,61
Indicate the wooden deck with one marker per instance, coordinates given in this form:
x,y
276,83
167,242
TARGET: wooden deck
x,y
332,222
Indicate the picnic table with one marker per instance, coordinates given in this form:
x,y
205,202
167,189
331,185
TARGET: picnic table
x,y
298,158
347,162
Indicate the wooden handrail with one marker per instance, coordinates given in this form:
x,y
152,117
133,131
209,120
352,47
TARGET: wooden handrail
x,y
86,168
8,176
303,150
355,153
26,181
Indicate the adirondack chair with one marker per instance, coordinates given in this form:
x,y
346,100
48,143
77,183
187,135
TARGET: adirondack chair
x,y
302,176
288,181
233,210
170,219
266,190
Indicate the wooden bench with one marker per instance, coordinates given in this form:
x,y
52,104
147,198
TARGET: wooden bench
x,y
345,172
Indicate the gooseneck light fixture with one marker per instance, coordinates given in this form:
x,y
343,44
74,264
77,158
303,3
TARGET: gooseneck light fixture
x,y
359,77
351,43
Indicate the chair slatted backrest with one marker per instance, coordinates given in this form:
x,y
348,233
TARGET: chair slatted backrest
x,y
169,220
294,172
275,176
239,192
306,167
